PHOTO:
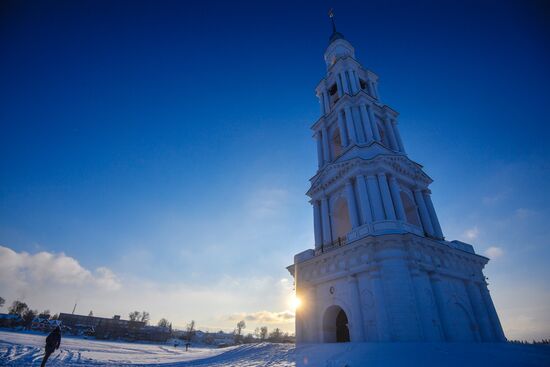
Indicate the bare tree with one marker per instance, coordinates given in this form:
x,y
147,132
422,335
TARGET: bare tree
x,y
45,314
263,333
163,323
2,301
145,317
190,329
134,316
238,332
18,308
276,335
28,316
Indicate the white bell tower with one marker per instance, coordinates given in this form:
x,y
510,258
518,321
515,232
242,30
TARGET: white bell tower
x,y
380,269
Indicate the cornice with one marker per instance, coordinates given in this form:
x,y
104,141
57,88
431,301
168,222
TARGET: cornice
x,y
368,254
334,173
351,98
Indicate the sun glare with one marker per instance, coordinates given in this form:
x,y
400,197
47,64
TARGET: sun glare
x,y
295,302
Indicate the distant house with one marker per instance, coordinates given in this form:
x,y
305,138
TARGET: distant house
x,y
152,333
113,328
10,320
222,339
44,325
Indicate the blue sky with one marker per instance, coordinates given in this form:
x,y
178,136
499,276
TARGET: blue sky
x,y
168,146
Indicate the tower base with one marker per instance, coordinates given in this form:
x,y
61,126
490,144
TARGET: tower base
x,y
394,287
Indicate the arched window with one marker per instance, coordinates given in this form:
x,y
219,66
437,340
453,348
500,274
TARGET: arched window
x,y
340,217
336,143
411,212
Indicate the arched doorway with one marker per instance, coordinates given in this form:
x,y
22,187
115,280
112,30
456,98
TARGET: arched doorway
x,y
335,325
342,330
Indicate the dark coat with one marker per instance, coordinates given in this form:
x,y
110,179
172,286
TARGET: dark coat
x,y
53,340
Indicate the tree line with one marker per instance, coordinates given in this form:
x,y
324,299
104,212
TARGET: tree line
x,y
27,314
261,334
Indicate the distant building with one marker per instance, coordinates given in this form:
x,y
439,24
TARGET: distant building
x,y
43,324
113,328
10,320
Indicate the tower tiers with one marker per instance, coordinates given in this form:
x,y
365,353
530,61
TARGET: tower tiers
x,y
380,269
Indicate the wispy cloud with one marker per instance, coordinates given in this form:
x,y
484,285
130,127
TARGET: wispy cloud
x,y
266,317
494,252
471,233
524,213
267,202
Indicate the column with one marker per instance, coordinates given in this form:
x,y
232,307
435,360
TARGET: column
x,y
356,80
391,136
433,216
348,81
386,197
373,123
344,82
357,324
493,316
439,293
424,215
322,103
398,137
353,80
397,202
374,195
399,291
317,226
319,141
359,131
325,220
327,101
351,127
375,89
326,151
366,122
343,130
480,311
382,322
425,303
364,202
339,85
352,206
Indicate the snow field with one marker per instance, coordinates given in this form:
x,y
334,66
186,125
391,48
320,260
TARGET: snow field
x,y
20,349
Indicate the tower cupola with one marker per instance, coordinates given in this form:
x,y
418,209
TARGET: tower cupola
x,y
338,47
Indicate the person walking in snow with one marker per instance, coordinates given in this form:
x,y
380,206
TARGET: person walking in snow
x,y
52,343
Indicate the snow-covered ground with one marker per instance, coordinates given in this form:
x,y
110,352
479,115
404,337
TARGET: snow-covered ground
x,y
19,349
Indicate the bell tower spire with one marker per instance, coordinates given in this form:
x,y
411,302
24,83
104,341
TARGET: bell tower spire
x,y
335,34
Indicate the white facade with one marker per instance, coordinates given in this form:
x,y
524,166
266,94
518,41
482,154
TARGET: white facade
x,y
381,269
